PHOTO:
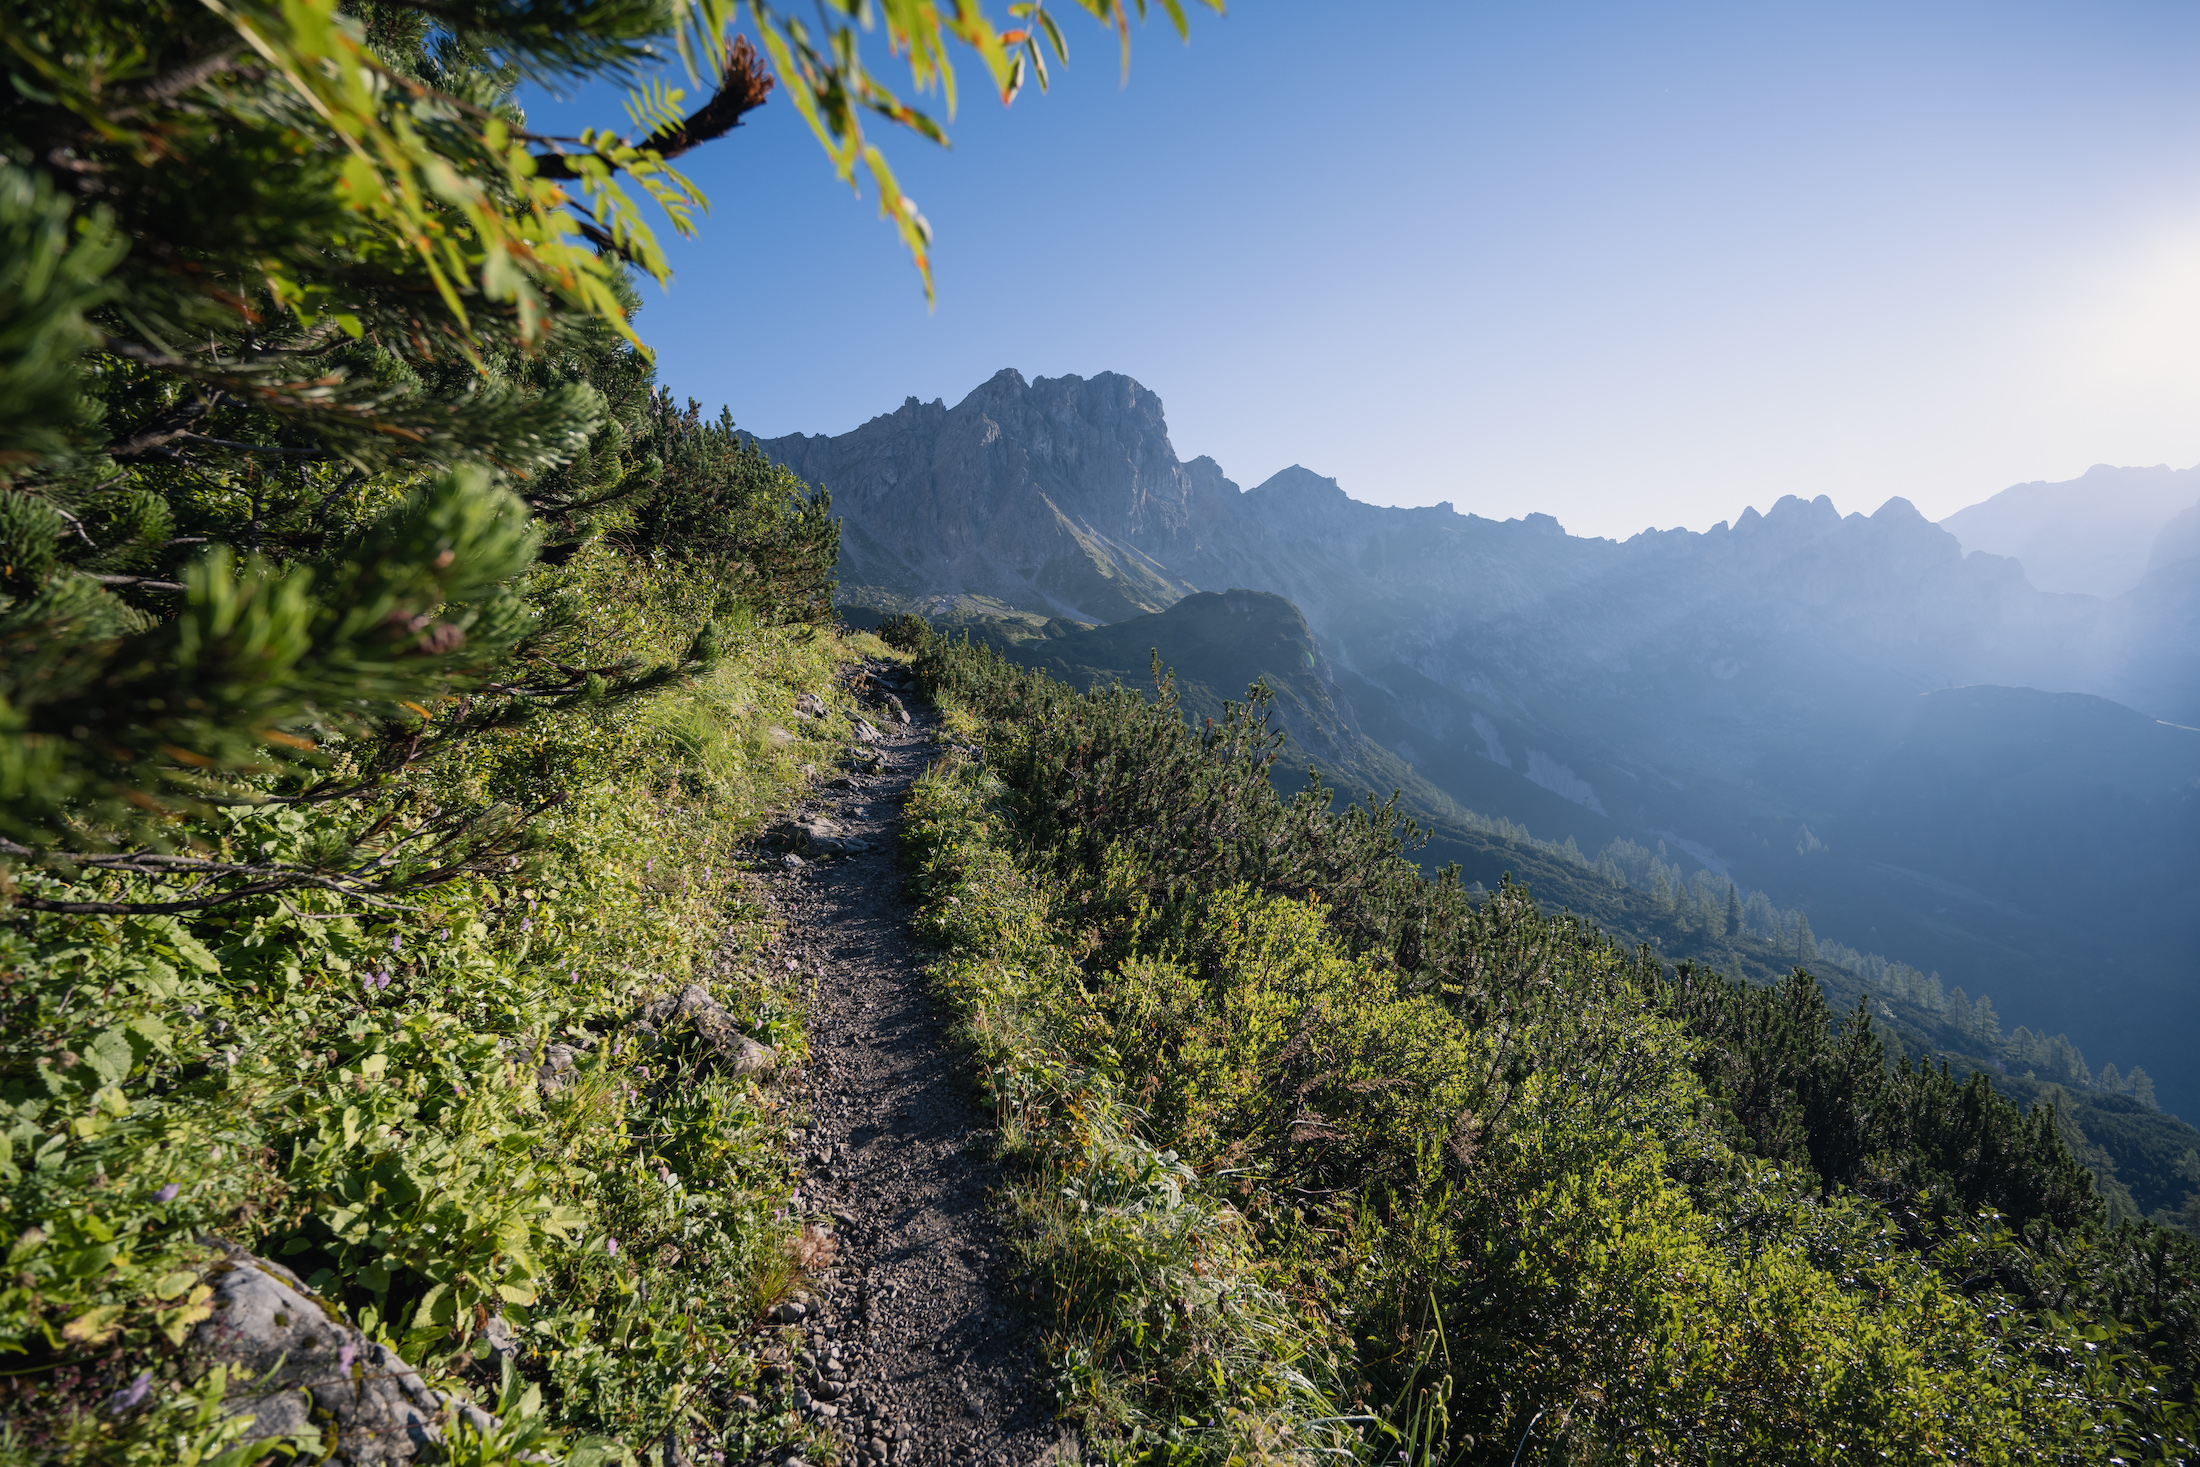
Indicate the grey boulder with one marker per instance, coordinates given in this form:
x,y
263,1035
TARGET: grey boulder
x,y
298,1368
710,1021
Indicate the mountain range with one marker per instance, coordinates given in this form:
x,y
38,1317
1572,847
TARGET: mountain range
x,y
1913,742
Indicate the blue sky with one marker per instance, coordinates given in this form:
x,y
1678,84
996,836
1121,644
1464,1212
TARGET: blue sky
x,y
1627,264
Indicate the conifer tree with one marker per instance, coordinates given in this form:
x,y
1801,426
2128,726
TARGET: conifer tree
x,y
308,348
2141,1086
1806,946
1733,909
1985,1023
1959,1011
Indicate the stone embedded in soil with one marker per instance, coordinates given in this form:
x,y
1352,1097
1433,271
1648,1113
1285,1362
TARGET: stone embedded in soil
x,y
298,1367
694,1006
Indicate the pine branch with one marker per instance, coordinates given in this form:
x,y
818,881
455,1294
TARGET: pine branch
x,y
375,882
744,85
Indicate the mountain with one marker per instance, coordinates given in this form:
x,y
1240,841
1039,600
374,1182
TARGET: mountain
x,y
1037,495
2089,535
1785,701
1215,646
2149,641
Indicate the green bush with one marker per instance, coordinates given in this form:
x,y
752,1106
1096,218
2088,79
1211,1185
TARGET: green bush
x,y
1506,1190
905,631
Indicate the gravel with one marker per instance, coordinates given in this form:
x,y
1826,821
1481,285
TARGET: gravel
x,y
913,1349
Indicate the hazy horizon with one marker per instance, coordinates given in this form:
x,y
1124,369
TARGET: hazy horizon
x,y
1187,452
1621,266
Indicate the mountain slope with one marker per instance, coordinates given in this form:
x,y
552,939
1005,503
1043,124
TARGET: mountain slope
x,y
1034,495
1738,695
2088,535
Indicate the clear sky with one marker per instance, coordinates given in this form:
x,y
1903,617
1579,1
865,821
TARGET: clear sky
x,y
1628,264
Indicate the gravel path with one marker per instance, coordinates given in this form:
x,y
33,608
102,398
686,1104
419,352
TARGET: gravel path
x,y
916,1352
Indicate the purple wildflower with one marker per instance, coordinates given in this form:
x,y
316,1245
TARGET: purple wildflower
x,y
346,1355
382,979
131,1394
611,1246
397,942
167,1193
527,924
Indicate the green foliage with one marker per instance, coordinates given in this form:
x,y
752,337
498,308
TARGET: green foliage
x,y
359,1095
905,631
1523,1193
768,538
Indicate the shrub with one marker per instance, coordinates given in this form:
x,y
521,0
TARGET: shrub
x,y
1515,1190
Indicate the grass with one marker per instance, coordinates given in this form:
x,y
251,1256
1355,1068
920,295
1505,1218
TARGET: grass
x,y
357,1093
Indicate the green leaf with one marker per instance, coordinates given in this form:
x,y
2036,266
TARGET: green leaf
x,y
111,1055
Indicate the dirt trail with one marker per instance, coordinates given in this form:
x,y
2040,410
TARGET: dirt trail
x,y
916,1352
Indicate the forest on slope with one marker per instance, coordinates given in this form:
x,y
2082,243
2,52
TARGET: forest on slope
x,y
1389,1151
2145,1163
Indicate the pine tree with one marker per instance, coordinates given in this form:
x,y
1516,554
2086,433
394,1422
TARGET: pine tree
x,y
2067,1063
1806,946
2110,1079
308,350
1733,909
2141,1086
1985,1023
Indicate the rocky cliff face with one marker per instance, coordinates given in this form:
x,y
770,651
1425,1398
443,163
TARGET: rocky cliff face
x,y
1037,494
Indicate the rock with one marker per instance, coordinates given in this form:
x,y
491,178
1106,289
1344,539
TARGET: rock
x,y
789,1313
709,1019
864,731
809,705
817,828
901,714
780,736
294,1359
819,836
556,1070
503,1345
792,862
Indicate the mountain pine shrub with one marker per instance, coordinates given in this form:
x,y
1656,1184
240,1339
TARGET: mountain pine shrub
x,y
1523,1195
